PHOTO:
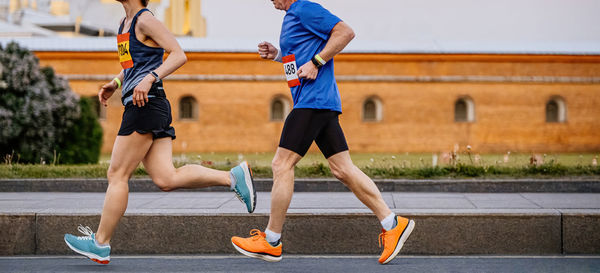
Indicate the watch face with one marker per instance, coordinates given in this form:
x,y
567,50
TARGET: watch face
x,y
156,78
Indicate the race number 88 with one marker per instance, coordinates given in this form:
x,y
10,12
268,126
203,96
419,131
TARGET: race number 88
x,y
290,68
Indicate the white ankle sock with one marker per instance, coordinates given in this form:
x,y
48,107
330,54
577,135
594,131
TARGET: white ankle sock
x,y
388,222
99,244
272,237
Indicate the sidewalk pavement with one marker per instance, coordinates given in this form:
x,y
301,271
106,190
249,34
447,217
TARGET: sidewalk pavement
x,y
318,222
505,185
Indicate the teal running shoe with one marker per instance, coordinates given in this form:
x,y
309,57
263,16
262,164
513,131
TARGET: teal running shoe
x,y
87,246
244,185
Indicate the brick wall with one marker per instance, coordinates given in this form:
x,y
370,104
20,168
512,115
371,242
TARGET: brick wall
x,y
417,92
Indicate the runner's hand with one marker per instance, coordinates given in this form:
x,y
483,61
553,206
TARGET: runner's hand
x,y
308,71
106,91
267,51
140,92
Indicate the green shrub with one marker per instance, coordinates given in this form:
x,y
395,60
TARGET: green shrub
x,y
40,115
385,172
430,172
469,170
315,170
83,142
548,169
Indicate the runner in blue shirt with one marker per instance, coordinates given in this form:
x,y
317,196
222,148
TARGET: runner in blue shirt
x,y
311,36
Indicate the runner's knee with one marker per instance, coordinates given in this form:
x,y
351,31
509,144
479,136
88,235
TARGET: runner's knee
x,y
117,175
279,166
340,173
343,172
164,183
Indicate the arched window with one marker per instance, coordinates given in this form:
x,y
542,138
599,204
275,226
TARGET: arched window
x,y
464,110
556,110
372,110
188,108
280,108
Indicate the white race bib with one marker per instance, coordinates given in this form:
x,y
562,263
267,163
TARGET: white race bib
x,y
291,70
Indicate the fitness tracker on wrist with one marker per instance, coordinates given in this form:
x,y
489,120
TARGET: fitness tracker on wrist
x,y
316,62
118,81
157,79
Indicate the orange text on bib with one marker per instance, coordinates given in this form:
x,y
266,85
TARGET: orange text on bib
x,y
124,54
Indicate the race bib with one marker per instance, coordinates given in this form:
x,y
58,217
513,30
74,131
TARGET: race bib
x,y
124,54
291,70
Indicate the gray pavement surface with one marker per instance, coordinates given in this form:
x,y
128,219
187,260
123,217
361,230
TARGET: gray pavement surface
x,y
314,202
509,185
290,263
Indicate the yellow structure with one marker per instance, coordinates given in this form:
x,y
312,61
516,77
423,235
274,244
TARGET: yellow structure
x,y
182,17
57,7
391,102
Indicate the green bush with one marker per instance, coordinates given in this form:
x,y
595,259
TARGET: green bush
x,y
41,119
548,169
315,170
429,172
83,142
469,170
385,172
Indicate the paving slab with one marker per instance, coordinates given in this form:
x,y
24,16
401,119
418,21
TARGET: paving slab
x,y
566,200
419,200
511,185
502,201
226,201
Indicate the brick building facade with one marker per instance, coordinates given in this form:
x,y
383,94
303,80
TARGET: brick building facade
x,y
235,102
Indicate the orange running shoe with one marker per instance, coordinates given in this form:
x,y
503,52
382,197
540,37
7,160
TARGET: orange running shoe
x,y
257,246
394,239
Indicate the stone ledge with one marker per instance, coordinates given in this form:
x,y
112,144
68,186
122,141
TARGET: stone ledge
x,y
498,233
17,234
581,231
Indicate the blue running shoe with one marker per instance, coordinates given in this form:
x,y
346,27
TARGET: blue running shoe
x,y
87,246
244,185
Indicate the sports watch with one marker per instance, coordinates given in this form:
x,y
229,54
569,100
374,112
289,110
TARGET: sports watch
x,y
157,79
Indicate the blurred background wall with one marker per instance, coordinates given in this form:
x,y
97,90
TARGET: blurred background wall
x,y
421,76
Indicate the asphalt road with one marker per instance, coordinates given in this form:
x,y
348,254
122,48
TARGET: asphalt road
x,y
292,263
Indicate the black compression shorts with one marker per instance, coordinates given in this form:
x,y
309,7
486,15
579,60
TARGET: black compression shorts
x,y
303,126
153,118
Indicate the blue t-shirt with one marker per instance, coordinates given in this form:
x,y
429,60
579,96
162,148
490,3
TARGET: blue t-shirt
x,y
304,33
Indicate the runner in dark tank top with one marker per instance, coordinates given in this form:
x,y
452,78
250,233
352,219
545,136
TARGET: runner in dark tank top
x,y
146,134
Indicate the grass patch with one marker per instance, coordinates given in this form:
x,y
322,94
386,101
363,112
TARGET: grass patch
x,y
407,166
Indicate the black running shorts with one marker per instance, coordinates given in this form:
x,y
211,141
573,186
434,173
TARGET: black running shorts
x,y
303,126
153,118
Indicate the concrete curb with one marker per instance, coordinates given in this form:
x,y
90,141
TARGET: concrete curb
x,y
326,185
499,232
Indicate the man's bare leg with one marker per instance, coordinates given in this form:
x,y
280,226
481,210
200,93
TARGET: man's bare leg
x,y
283,187
359,183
